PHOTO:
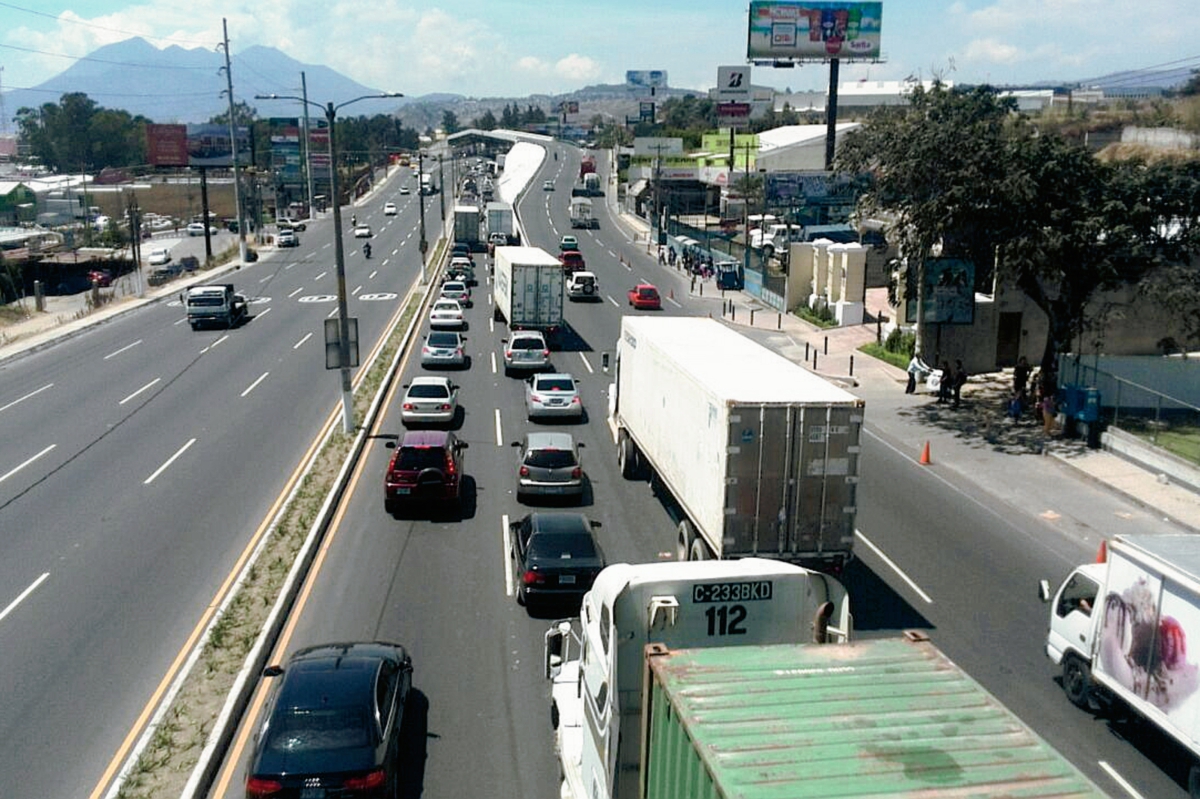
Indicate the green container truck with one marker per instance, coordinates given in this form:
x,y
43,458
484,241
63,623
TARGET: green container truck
x,y
890,717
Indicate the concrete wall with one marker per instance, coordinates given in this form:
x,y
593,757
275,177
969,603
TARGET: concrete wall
x,y
1177,377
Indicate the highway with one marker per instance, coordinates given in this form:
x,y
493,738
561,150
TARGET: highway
x,y
936,553
138,460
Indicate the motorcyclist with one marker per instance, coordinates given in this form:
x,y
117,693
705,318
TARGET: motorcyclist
x,y
367,249
353,220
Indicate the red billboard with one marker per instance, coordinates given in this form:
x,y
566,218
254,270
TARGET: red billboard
x,y
166,145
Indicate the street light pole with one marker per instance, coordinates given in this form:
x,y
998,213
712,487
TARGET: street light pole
x,y
423,245
340,257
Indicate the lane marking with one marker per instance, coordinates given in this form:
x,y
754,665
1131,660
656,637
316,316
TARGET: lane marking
x,y
356,290
323,274
23,595
1112,772
499,433
294,293
262,313
33,393
307,336
254,385
587,364
493,363
508,572
894,567
331,314
614,302
126,347
181,321
214,344
170,460
673,302
19,467
374,273
265,279
140,390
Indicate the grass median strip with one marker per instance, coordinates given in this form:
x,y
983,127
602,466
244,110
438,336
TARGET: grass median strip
x,y
166,763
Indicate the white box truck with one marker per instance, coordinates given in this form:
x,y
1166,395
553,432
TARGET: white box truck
x,y
500,222
597,666
1120,631
527,289
581,214
466,225
760,454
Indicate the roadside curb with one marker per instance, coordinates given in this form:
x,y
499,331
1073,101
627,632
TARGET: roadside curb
x,y
1129,496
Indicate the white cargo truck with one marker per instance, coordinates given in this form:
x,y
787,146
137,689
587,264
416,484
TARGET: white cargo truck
x,y
581,214
500,222
527,289
597,667
760,455
466,226
1120,631
217,304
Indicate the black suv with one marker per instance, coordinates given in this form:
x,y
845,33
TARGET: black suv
x,y
332,727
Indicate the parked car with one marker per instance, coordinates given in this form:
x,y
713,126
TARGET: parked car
x,y
548,466
525,350
556,556
362,231
554,395
446,314
644,296
197,229
457,290
426,468
389,209
100,277
291,224
429,400
444,348
332,723
159,256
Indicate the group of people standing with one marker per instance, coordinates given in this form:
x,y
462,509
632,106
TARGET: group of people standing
x,y
950,380
695,264
1040,401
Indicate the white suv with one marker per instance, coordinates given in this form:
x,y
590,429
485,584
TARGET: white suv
x,y
583,286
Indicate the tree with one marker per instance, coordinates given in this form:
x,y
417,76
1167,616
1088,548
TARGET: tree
x,y
75,134
449,122
485,122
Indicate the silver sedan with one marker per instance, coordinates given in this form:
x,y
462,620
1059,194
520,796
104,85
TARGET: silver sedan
x,y
429,400
553,395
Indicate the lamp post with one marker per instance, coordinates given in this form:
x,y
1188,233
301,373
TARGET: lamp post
x,y
343,320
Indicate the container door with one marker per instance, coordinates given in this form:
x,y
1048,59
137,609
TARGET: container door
x,y
825,441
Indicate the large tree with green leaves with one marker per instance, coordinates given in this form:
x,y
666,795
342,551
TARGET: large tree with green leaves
x,y
965,175
75,134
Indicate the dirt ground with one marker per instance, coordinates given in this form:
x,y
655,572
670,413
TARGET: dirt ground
x,y
178,200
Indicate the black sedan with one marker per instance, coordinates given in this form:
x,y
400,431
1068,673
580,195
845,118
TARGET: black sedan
x,y
557,557
332,727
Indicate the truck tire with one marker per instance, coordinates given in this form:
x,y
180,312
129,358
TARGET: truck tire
x,y
683,544
699,550
627,457
1077,681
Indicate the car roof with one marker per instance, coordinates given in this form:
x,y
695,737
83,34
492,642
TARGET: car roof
x,y
553,376
444,301
559,522
454,283
426,438
549,440
527,334
334,674
640,286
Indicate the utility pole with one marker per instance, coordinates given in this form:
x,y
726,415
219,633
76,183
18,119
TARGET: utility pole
x,y
233,148
423,244
442,189
831,114
307,144
135,240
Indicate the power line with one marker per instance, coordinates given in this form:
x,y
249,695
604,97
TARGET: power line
x,y
101,60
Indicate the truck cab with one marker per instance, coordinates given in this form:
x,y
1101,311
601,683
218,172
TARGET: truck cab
x,y
214,305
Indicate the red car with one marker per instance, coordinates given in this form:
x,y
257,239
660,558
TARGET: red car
x,y
100,277
572,261
425,469
645,297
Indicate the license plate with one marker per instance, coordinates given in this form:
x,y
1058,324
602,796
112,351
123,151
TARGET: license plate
x,y
557,402
403,490
312,793
567,579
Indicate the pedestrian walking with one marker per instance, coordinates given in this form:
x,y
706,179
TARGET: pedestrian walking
x,y
1021,375
917,369
960,380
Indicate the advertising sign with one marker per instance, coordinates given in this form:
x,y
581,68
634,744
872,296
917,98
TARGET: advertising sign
x,y
949,292
733,115
807,187
646,112
208,145
285,151
166,145
814,31
654,146
733,84
646,78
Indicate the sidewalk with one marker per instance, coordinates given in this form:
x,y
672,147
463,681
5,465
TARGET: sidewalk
x,y
976,440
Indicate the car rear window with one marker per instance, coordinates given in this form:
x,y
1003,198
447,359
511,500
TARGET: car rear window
x,y
555,384
647,292
417,458
426,391
550,458
564,547
301,730
527,344
443,340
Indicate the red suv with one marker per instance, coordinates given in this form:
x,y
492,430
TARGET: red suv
x,y
426,468
572,261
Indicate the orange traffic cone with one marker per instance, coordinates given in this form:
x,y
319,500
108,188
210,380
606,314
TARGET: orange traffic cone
x,y
1102,553
925,461
671,294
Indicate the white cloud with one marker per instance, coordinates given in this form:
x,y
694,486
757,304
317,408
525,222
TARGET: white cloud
x,y
578,68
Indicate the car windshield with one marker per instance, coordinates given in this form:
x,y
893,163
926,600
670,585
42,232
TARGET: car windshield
x,y
303,730
527,344
428,391
550,458
555,384
443,340
562,546
417,458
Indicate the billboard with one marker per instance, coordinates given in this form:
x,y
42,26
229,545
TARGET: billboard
x,y
208,145
814,31
949,292
646,112
166,145
733,84
655,146
646,78
807,187
286,160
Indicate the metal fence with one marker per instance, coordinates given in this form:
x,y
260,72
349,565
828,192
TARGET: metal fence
x,y
1164,420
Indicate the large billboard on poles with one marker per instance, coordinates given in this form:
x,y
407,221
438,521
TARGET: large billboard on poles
x,y
208,145
787,30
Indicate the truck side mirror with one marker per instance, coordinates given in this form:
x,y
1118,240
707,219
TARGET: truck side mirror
x,y
1044,590
604,361
555,650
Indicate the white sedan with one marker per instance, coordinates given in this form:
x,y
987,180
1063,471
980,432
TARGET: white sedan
x,y
389,209
362,231
446,314
159,257
429,400
457,290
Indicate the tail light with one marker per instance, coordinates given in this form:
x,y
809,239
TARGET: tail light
x,y
450,468
545,353
256,787
531,578
508,353
524,471
425,350
576,473
575,400
408,406
445,406
366,782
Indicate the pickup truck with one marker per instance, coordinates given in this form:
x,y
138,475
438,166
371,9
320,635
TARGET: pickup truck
x,y
572,261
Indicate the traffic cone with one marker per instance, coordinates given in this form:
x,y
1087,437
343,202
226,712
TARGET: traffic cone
x,y
925,461
671,294
1102,553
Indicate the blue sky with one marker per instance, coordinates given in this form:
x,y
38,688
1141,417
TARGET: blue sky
x,y
486,48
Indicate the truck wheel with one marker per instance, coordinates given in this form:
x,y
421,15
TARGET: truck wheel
x,y
627,456
699,550
683,545
1077,681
